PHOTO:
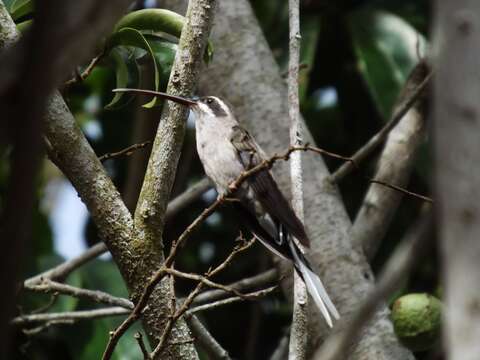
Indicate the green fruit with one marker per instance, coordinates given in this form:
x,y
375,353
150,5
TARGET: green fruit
x,y
417,320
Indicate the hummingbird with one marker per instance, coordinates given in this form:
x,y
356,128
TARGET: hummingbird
x,y
227,150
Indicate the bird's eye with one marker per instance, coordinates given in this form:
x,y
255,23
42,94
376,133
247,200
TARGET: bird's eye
x,y
209,100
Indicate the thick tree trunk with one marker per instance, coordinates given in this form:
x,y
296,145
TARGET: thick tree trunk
x,y
456,131
394,166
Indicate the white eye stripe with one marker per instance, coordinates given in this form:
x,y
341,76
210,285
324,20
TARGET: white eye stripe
x,y
222,105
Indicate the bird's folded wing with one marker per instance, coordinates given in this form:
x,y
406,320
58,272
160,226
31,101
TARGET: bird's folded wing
x,y
264,186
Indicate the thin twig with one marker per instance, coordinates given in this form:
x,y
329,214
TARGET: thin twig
x,y
69,315
81,77
124,152
393,166
41,328
139,337
48,286
260,280
231,300
378,138
207,282
402,190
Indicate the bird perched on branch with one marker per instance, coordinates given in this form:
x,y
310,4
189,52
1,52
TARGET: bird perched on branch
x,y
226,151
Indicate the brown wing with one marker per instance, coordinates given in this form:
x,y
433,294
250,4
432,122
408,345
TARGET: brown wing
x,y
264,186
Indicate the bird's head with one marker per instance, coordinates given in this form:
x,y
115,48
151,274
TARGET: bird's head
x,y
210,106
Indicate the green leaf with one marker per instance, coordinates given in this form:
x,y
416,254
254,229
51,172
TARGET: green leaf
x,y
147,29
122,77
132,37
386,47
24,26
155,21
164,53
20,8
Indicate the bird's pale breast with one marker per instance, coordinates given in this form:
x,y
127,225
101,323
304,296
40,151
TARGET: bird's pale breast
x,y
217,154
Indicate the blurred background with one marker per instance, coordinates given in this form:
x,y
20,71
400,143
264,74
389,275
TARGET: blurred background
x,y
356,56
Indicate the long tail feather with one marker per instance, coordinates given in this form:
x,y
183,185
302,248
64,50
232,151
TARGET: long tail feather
x,y
284,246
324,295
315,287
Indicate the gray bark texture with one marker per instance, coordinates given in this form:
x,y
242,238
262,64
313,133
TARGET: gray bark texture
x,y
151,208
394,167
456,148
245,73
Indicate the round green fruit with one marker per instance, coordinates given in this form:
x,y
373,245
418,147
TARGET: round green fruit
x,y
417,320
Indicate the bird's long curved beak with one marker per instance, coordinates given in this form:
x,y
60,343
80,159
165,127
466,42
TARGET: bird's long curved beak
x,y
177,99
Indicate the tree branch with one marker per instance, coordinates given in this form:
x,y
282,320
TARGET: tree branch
x,y
231,300
70,315
263,279
298,329
407,101
124,152
152,203
51,287
394,165
81,77
139,337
